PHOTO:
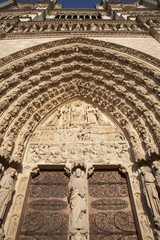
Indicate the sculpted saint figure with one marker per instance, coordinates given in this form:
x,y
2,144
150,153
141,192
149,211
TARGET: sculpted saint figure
x,y
156,166
78,203
7,185
150,192
78,172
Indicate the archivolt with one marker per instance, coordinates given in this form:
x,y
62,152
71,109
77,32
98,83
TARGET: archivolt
x,y
121,84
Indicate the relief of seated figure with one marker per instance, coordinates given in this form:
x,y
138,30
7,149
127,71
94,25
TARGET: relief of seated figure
x,y
18,29
33,28
49,28
63,27
78,27
94,27
106,28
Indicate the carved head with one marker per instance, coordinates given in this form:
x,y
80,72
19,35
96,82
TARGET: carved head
x,y
11,171
78,172
144,170
156,165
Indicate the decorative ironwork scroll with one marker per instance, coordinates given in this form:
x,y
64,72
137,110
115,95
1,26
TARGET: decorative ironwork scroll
x,y
47,214
110,214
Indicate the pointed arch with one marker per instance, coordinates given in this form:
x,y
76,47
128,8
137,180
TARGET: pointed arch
x,y
122,82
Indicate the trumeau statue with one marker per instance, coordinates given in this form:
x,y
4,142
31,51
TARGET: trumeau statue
x,y
7,186
78,200
150,192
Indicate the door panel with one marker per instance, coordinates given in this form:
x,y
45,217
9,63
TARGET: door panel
x,y
47,214
110,214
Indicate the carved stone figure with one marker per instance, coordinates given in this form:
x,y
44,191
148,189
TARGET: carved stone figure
x,y
94,27
156,166
135,28
78,27
63,27
33,28
121,28
91,114
8,143
150,192
78,202
49,28
106,28
7,186
18,29
78,199
55,119
66,115
99,117
78,112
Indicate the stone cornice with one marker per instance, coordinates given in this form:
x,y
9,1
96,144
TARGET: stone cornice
x,y
137,10
142,18
78,10
20,11
78,34
33,3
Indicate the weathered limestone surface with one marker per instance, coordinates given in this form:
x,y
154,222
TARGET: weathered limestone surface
x,y
147,45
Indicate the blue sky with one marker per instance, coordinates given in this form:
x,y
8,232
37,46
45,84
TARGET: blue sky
x,y
71,3
79,3
74,3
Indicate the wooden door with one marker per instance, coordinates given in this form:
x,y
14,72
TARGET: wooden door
x,y
110,213
47,212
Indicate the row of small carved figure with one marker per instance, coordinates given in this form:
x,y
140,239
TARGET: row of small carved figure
x,y
5,27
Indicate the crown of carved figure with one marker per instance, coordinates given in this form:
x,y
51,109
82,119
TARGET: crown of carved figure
x,y
71,167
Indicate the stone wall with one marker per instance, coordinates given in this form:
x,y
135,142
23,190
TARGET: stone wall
x,y
147,45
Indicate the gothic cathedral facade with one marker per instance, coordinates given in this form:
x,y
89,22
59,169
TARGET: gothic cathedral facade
x,y
79,121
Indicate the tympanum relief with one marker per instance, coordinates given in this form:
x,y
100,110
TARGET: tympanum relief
x,y
77,131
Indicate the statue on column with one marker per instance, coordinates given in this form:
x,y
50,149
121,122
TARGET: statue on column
x,y
7,186
156,167
150,192
78,200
